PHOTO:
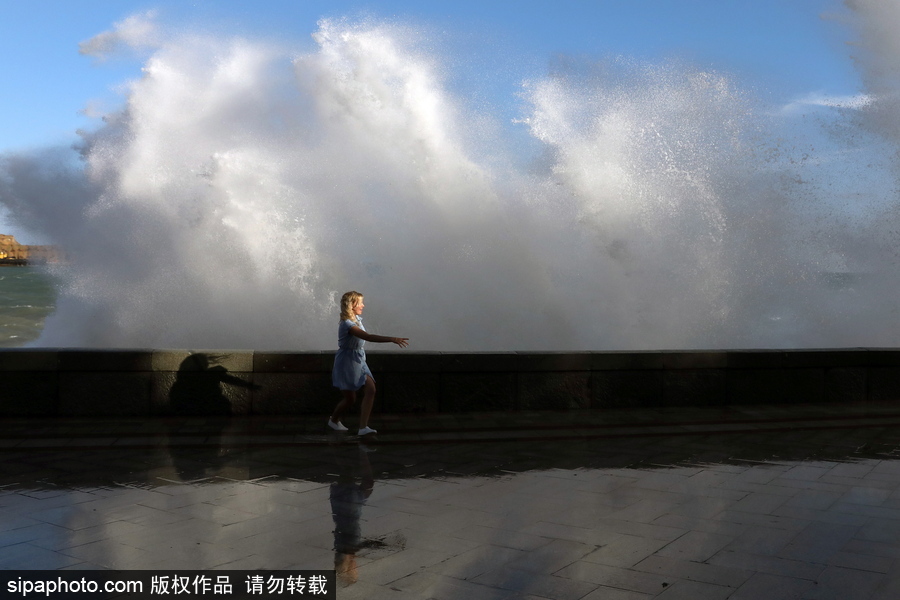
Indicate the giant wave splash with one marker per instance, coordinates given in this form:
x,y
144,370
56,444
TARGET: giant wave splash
x,y
244,186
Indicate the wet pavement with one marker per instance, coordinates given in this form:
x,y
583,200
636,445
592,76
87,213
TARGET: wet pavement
x,y
739,502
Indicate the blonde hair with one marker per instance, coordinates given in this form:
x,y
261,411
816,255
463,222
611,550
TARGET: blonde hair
x,y
348,303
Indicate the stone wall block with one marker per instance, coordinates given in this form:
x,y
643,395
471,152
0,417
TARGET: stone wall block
x,y
882,357
554,361
28,393
407,393
797,359
161,383
846,385
626,361
111,393
695,360
404,362
375,360
29,360
477,392
86,361
884,384
168,360
292,362
294,393
694,387
776,386
543,390
759,359
476,362
843,358
627,389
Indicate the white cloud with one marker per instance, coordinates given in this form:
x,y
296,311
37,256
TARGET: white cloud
x,y
137,31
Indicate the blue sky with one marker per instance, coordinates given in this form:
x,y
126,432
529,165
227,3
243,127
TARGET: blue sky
x,y
787,51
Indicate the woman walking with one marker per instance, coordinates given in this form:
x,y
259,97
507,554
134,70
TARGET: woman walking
x,y
350,371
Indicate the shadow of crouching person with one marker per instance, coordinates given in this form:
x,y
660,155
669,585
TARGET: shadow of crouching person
x,y
197,389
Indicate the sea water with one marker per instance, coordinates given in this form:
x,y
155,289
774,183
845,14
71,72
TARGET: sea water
x,y
27,296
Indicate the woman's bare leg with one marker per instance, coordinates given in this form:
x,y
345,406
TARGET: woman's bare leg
x,y
365,409
348,398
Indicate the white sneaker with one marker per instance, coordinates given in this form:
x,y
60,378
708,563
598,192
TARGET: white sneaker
x,y
336,426
366,431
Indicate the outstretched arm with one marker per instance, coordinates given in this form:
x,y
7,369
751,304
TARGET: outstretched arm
x,y
382,339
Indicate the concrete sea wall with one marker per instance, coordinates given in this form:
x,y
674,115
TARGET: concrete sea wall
x,y
68,382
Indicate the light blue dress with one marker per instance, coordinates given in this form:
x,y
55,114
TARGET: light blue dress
x,y
350,368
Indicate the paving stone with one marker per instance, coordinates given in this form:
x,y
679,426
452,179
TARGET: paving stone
x,y
664,479
780,519
774,587
695,590
814,499
767,564
867,495
862,562
818,542
607,593
699,489
818,486
649,509
840,582
553,556
759,503
528,582
707,524
851,470
28,556
877,512
111,554
439,587
385,570
696,546
874,482
672,568
803,515
651,531
625,551
805,472
596,536
617,578
762,541
889,588
470,565
867,548
879,531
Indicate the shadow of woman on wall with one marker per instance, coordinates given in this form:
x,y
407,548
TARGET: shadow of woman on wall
x,y
198,386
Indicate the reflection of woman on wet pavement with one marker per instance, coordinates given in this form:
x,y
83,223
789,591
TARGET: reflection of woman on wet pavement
x,y
350,371
347,500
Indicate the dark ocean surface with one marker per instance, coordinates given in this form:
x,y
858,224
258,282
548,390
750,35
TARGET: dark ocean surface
x,y
27,296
